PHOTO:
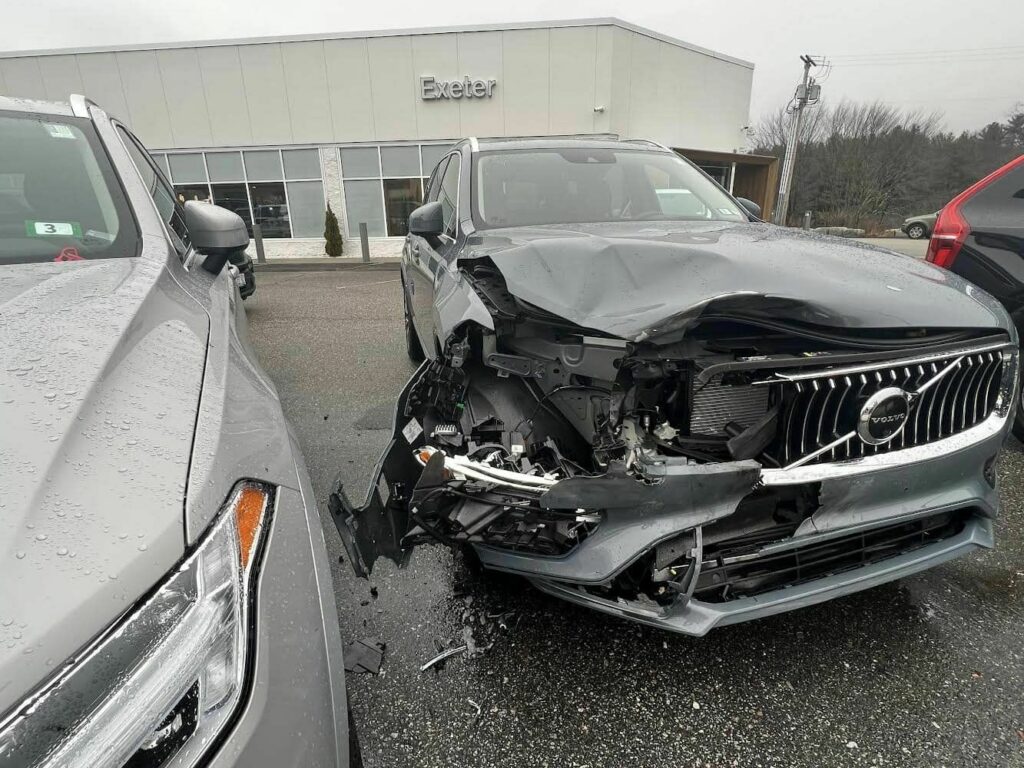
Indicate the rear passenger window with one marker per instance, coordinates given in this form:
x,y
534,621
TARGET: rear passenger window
x,y
1006,191
170,211
434,185
449,195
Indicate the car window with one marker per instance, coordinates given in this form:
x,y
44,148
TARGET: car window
x,y
449,193
166,203
60,199
999,205
434,185
581,184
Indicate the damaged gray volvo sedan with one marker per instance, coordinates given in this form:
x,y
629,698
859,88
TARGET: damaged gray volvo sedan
x,y
646,400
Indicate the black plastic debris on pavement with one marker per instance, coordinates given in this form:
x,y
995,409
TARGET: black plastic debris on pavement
x,y
364,656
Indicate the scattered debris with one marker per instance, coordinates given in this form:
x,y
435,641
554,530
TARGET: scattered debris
x,y
442,656
976,675
696,705
469,643
851,745
364,656
477,708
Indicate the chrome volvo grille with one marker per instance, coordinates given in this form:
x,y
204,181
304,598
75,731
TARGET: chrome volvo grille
x,y
820,411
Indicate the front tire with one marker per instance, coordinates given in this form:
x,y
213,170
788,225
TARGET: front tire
x,y
916,231
413,348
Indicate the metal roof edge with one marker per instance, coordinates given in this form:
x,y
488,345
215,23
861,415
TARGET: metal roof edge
x,y
271,39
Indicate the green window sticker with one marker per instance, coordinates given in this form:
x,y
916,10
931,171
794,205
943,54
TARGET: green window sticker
x,y
53,229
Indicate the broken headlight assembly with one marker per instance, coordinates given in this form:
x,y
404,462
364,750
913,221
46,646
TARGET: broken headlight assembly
x,y
166,680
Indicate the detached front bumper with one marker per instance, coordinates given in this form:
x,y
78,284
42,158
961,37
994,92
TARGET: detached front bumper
x,y
698,618
954,479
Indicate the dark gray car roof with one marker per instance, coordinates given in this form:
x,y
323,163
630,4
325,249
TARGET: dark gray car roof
x,y
550,142
13,104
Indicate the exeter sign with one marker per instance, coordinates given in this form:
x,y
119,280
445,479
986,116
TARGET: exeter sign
x,y
432,89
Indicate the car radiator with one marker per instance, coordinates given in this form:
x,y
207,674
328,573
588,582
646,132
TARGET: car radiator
x,y
715,404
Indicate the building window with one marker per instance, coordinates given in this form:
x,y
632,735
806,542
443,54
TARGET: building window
x,y
263,165
432,154
161,161
224,166
279,189
384,184
234,198
187,168
301,163
306,207
401,197
364,204
270,208
360,162
186,192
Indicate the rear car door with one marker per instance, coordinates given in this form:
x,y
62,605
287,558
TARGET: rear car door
x,y
427,255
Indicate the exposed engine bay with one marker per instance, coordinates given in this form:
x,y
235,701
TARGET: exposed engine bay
x,y
530,438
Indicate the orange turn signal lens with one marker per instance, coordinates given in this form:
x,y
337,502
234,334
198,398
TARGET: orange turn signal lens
x,y
249,508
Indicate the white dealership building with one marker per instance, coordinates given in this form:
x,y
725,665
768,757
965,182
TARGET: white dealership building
x,y
276,127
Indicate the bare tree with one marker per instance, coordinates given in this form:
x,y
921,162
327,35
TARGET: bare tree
x,y
869,165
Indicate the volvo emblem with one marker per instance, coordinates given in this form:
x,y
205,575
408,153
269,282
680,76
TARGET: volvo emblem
x,y
883,416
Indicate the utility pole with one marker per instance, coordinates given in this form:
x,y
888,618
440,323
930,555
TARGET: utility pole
x,y
806,92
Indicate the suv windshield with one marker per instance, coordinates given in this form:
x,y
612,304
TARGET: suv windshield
x,y
59,197
516,188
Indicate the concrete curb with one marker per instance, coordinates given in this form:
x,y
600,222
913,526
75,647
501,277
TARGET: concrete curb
x,y
326,265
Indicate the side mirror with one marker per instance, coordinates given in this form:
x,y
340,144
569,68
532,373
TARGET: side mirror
x,y
427,220
216,233
752,208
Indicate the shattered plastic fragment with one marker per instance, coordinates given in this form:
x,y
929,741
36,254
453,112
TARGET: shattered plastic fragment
x,y
364,656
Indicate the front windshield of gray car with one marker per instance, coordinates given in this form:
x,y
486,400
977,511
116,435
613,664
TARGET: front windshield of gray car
x,y
59,197
536,187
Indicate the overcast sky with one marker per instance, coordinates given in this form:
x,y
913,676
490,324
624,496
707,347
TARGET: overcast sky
x,y
965,59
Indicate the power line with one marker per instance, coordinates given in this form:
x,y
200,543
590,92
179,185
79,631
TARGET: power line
x,y
924,62
945,52
936,60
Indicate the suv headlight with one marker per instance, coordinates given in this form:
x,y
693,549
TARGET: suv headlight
x,y
167,677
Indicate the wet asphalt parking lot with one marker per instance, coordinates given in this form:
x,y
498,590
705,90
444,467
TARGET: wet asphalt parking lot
x,y
928,671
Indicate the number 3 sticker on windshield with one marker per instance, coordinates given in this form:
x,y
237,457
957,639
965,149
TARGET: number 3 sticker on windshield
x,y
53,228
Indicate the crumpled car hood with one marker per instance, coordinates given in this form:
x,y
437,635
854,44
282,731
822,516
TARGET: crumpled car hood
x,y
99,391
642,279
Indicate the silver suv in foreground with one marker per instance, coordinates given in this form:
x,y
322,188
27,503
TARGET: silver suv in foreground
x,y
165,595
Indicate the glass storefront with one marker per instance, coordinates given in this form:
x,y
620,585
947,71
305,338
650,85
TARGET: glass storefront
x,y
282,190
279,189
384,184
